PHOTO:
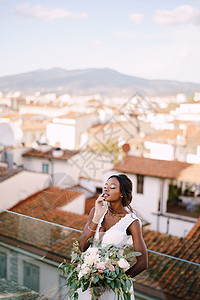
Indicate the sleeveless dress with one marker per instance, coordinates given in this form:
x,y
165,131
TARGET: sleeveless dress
x,y
116,235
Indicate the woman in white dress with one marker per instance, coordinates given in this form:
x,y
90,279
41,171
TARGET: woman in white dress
x,y
113,221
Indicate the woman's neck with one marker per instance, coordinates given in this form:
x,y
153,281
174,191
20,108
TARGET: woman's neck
x,y
116,208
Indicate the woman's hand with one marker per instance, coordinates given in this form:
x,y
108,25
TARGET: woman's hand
x,y
93,219
100,208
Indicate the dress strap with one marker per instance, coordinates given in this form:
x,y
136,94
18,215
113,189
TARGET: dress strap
x,y
131,217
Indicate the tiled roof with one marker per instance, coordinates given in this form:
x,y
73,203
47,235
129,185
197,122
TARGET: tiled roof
x,y
163,136
36,153
194,138
176,278
90,203
13,115
36,235
97,127
44,205
73,115
159,168
194,233
33,125
191,135
8,172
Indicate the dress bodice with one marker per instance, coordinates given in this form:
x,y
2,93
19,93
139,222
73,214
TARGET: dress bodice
x,y
117,234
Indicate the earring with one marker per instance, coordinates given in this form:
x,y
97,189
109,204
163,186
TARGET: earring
x,y
121,195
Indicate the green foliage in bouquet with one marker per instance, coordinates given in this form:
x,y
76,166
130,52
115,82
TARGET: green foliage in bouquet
x,y
99,269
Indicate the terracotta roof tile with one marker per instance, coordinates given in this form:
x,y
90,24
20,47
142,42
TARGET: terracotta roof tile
x,y
44,205
191,135
8,172
175,278
89,204
164,136
36,153
159,168
73,115
33,125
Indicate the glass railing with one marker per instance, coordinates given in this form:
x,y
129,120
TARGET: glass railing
x,y
31,251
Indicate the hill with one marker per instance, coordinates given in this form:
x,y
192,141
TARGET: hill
x,y
92,81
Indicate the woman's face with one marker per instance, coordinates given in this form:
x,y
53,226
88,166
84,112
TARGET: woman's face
x,y
111,191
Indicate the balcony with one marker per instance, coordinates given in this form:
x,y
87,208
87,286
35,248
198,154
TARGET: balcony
x,y
31,251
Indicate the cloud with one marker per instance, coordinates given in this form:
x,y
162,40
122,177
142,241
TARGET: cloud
x,y
45,13
125,35
97,42
136,18
185,14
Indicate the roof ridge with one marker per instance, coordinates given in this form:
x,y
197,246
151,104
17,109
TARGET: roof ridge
x,y
193,230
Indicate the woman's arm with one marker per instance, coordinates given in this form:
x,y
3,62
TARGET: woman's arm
x,y
139,246
88,231
94,217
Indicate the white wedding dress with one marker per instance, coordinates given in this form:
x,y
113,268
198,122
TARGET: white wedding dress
x,y
116,235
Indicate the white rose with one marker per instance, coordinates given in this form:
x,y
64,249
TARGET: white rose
x,y
122,263
90,259
80,274
92,250
83,266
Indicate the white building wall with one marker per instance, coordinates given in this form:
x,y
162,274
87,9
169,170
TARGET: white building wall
x,y
35,164
174,226
65,134
48,270
90,184
20,186
82,125
76,206
160,151
166,183
17,155
63,172
146,203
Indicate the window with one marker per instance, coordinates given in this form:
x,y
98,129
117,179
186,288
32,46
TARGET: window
x,y
45,168
140,184
3,264
62,288
31,276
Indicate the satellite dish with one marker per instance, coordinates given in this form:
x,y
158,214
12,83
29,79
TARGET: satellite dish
x,y
6,135
126,148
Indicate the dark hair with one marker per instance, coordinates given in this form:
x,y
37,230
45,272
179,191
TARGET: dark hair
x,y
125,188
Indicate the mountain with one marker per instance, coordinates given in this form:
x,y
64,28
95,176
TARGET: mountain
x,y
92,81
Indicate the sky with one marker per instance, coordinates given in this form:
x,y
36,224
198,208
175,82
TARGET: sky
x,y
148,38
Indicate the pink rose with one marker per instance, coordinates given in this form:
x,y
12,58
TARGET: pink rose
x,y
111,267
101,267
85,270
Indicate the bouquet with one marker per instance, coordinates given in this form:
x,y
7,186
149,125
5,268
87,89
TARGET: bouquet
x,y
99,269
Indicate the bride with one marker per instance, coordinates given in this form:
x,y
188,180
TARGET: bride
x,y
113,222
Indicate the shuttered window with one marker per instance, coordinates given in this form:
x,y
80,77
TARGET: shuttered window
x,y
3,265
31,276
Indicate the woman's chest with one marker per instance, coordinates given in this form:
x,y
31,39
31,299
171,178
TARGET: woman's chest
x,y
112,231
108,222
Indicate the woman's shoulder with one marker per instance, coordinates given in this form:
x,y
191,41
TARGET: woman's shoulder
x,y
132,214
131,217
